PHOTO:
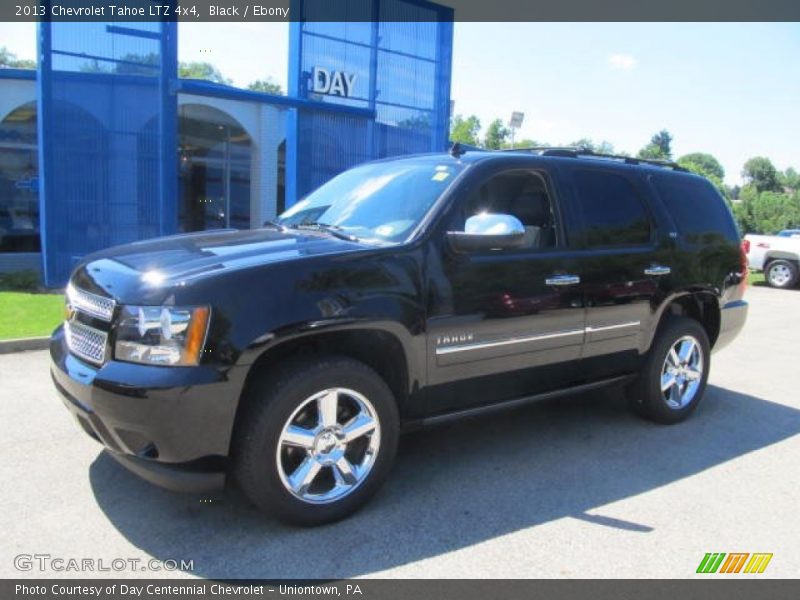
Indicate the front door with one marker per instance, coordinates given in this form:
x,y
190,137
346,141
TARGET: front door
x,y
503,323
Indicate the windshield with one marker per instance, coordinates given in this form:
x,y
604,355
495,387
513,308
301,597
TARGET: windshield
x,y
383,202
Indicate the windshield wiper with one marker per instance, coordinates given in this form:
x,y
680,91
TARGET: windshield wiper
x,y
334,230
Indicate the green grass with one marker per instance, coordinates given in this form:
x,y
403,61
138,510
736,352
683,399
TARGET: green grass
x,y
756,278
29,315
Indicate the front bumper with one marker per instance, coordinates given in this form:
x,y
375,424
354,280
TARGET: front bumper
x,y
732,318
171,426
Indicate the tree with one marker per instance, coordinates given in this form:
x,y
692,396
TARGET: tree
x,y
702,164
604,147
790,179
773,211
9,60
420,123
268,86
465,131
709,167
524,143
496,135
660,146
743,213
202,70
761,174
135,64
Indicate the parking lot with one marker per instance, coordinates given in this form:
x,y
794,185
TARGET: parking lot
x,y
571,488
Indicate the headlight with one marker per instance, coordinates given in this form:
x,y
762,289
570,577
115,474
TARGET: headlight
x,y
162,335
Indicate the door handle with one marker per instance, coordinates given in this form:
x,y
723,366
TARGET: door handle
x,y
562,280
657,270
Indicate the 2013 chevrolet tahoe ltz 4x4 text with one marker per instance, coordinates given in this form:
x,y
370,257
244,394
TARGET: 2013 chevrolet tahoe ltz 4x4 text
x,y
401,293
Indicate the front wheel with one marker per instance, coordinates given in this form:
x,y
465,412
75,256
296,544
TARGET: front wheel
x,y
317,439
673,379
781,274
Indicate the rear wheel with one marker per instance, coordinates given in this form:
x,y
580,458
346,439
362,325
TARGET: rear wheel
x,y
781,274
673,379
317,440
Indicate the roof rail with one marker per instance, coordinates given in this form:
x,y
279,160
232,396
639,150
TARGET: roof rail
x,y
577,152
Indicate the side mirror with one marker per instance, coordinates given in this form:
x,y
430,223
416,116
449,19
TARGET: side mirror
x,y
488,232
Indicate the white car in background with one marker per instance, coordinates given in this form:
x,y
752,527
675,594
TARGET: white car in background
x,y
777,255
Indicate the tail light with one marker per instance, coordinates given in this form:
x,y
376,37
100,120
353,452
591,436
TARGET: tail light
x,y
743,250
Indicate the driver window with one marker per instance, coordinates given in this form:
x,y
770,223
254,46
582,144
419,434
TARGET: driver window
x,y
521,194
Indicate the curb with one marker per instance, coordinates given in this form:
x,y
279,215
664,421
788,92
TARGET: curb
x,y
23,344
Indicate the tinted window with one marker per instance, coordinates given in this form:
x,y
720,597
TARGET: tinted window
x,y
613,214
698,210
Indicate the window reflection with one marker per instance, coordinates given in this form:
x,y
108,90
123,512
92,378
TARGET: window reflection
x,y
19,172
214,171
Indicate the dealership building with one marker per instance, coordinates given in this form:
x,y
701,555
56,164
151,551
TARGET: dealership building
x,y
104,144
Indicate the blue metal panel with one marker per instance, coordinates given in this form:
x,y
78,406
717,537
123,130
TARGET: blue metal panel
x,y
45,154
107,137
168,130
25,74
401,60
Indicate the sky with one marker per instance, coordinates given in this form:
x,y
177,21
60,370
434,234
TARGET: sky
x,y
729,89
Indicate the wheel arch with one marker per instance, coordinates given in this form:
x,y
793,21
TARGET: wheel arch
x,y
700,305
780,255
389,352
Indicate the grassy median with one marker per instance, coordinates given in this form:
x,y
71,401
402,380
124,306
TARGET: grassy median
x,y
26,310
25,315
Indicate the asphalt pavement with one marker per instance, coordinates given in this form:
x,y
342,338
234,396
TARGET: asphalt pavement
x,y
576,487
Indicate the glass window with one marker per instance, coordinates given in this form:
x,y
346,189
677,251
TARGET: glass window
x,y
214,175
613,214
518,193
19,189
696,207
250,55
381,201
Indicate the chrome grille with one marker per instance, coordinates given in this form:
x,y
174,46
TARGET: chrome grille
x,y
91,304
86,342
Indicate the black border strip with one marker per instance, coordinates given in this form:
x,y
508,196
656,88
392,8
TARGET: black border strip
x,y
710,588
464,10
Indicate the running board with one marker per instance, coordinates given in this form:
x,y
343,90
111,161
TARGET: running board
x,y
517,402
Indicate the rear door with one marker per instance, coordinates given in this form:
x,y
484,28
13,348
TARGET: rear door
x,y
623,263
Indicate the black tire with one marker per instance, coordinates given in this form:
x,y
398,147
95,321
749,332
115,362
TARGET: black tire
x,y
781,274
645,394
271,400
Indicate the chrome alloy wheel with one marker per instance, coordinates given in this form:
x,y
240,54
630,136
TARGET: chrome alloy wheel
x,y
682,372
779,275
328,446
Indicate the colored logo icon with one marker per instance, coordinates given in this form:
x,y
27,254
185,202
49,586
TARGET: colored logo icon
x,y
735,562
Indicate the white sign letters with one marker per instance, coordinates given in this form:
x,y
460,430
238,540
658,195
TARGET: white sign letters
x,y
335,83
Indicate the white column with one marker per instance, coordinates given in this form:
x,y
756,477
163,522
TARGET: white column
x,y
264,180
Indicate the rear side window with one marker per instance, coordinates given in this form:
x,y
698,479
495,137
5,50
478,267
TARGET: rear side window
x,y
612,212
699,212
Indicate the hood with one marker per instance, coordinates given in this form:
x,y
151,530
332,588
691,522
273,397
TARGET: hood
x,y
163,263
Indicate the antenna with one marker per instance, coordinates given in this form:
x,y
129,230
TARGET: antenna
x,y
456,151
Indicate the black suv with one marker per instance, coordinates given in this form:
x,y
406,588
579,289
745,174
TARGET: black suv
x,y
403,292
